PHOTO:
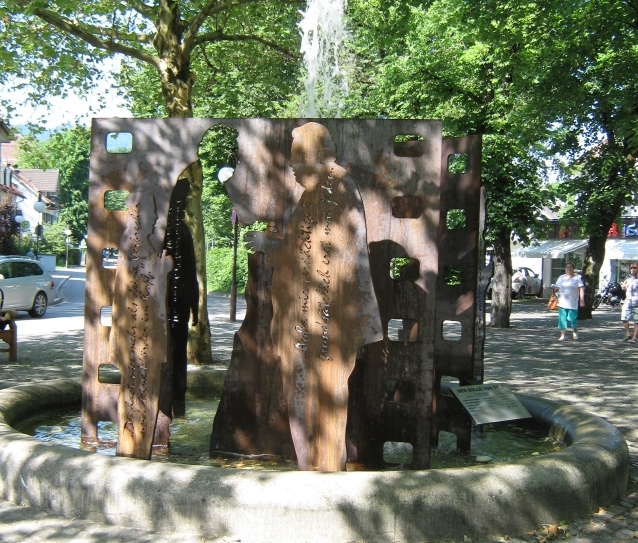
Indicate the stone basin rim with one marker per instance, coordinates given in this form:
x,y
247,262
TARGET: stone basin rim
x,y
304,507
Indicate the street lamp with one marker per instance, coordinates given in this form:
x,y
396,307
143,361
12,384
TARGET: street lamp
x,y
224,174
19,218
67,233
39,207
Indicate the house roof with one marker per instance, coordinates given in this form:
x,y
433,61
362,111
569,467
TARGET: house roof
x,y
19,177
44,180
9,152
11,190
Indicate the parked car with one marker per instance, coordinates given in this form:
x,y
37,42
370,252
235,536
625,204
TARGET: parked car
x,y
26,285
524,283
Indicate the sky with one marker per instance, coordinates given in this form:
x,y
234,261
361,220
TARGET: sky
x,y
73,109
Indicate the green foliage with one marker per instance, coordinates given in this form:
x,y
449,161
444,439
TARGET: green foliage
x,y
470,66
453,275
219,267
67,151
115,200
455,219
53,240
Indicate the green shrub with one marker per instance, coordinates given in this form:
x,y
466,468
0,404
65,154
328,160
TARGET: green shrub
x,y
219,269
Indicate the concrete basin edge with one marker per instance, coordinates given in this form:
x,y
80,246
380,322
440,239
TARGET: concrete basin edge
x,y
264,507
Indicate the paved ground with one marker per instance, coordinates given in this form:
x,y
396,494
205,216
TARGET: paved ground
x,y
597,373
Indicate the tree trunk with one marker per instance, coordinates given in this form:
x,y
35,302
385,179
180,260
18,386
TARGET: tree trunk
x,y
198,336
502,282
591,269
177,85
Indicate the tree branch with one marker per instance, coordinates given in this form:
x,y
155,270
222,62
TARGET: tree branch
x,y
213,37
84,32
210,8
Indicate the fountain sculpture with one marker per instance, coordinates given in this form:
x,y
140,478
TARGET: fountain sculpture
x,y
399,195
315,373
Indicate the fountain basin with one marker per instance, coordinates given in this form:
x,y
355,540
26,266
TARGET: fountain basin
x,y
258,506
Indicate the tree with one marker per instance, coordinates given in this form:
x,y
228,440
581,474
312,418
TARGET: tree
x,y
62,42
588,82
9,229
68,151
470,65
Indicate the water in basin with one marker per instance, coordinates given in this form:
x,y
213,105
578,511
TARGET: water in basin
x,y
190,437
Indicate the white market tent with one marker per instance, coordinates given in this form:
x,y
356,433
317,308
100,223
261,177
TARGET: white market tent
x,y
552,248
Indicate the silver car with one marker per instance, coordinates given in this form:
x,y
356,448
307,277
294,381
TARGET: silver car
x,y
26,285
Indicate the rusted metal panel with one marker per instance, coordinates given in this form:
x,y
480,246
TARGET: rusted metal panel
x,y
344,199
460,259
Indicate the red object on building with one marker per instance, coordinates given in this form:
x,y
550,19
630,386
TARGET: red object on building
x,y
613,231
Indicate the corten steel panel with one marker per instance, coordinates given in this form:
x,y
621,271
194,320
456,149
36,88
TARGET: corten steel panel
x,y
398,186
459,249
265,188
161,150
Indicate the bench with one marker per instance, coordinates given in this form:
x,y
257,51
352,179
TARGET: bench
x,y
8,331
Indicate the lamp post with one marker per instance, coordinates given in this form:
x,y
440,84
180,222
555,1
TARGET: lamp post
x,y
39,207
67,233
224,174
19,218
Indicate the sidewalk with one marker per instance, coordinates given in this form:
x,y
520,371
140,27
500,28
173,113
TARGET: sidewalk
x,y
596,373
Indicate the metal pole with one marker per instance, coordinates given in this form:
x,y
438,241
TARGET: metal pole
x,y
233,286
66,265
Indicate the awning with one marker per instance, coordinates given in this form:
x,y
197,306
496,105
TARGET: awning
x,y
621,249
552,248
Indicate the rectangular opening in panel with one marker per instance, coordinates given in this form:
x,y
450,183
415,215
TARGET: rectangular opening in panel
x,y
409,145
108,373
398,452
451,331
119,142
115,200
404,268
109,257
453,275
405,330
455,219
458,163
106,313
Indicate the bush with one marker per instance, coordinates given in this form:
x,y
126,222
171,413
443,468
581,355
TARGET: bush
x,y
219,269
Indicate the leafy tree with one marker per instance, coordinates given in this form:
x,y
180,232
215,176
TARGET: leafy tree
x,y
468,63
588,82
68,151
62,42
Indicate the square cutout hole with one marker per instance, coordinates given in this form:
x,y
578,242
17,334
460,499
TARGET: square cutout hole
x,y
451,331
405,330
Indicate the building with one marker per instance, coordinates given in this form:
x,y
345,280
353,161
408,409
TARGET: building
x,y
25,187
549,257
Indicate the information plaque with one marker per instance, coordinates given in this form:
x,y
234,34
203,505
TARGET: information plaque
x,y
490,403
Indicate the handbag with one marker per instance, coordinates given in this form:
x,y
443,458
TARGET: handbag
x,y
552,305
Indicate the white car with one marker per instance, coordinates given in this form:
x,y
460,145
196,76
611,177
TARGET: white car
x,y
524,283
25,285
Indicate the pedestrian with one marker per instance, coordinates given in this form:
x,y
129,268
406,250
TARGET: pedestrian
x,y
571,295
630,307
30,254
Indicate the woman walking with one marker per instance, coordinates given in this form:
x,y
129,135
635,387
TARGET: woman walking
x,y
571,295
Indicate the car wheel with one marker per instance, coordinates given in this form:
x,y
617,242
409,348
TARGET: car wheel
x,y
521,293
39,305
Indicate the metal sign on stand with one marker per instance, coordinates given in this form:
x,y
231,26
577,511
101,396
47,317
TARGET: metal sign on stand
x,y
490,403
